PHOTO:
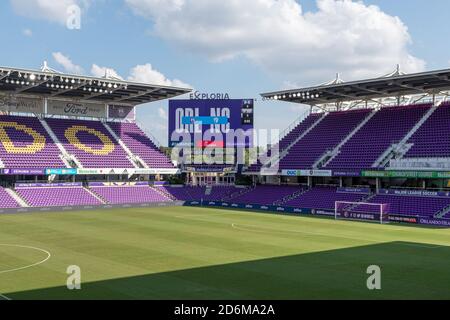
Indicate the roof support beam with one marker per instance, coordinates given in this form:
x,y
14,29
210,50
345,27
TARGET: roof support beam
x,y
138,95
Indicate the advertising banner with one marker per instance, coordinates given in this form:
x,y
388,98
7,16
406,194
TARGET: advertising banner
x,y
79,109
31,172
60,172
435,222
249,206
130,171
354,215
354,190
21,104
346,173
47,185
121,112
211,123
418,193
307,173
407,174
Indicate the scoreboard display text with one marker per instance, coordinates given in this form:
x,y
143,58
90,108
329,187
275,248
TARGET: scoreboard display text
x,y
209,122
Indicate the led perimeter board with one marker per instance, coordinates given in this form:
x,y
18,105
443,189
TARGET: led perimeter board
x,y
211,123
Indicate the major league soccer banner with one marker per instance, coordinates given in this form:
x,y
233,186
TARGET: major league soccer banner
x,y
211,123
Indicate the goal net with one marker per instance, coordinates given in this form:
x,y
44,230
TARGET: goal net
x,y
362,211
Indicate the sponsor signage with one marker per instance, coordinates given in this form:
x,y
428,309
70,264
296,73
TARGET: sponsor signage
x,y
83,171
131,171
418,193
210,169
61,172
307,173
322,212
79,109
346,173
405,219
435,222
30,172
251,206
358,216
47,185
407,174
21,104
354,190
121,112
211,123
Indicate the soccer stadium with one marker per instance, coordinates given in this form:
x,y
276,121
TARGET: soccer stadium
x,y
350,201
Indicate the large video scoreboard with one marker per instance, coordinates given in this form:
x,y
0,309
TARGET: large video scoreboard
x,y
210,122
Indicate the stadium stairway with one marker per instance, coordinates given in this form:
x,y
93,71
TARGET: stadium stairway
x,y
68,159
329,156
238,193
397,151
283,153
137,162
291,197
17,198
441,214
163,193
95,195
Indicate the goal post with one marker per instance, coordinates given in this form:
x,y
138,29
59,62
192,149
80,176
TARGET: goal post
x,y
348,210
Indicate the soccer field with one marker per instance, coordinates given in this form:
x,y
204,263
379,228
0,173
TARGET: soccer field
x,y
199,253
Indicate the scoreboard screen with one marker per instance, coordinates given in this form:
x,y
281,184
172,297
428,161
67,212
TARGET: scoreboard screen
x,y
210,122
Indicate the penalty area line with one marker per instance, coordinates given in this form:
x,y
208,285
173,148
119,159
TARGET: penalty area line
x,y
3,297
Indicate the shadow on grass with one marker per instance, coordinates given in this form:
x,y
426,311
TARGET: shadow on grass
x,y
409,271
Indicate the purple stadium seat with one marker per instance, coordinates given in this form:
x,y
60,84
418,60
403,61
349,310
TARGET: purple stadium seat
x,y
390,125
324,137
140,144
91,143
323,198
407,205
57,196
6,201
432,139
129,194
290,137
266,195
24,143
217,193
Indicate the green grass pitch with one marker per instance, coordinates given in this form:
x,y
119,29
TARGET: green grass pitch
x,y
202,253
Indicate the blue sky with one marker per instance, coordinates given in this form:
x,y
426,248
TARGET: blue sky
x,y
228,46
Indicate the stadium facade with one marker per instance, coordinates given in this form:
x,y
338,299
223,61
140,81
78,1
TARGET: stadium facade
x,y
71,141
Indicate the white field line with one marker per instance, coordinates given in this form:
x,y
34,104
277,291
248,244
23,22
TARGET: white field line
x,y
2,296
236,226
28,266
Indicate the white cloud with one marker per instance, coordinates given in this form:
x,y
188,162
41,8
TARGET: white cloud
x,y
51,10
67,63
140,73
27,32
355,39
162,114
100,72
146,74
